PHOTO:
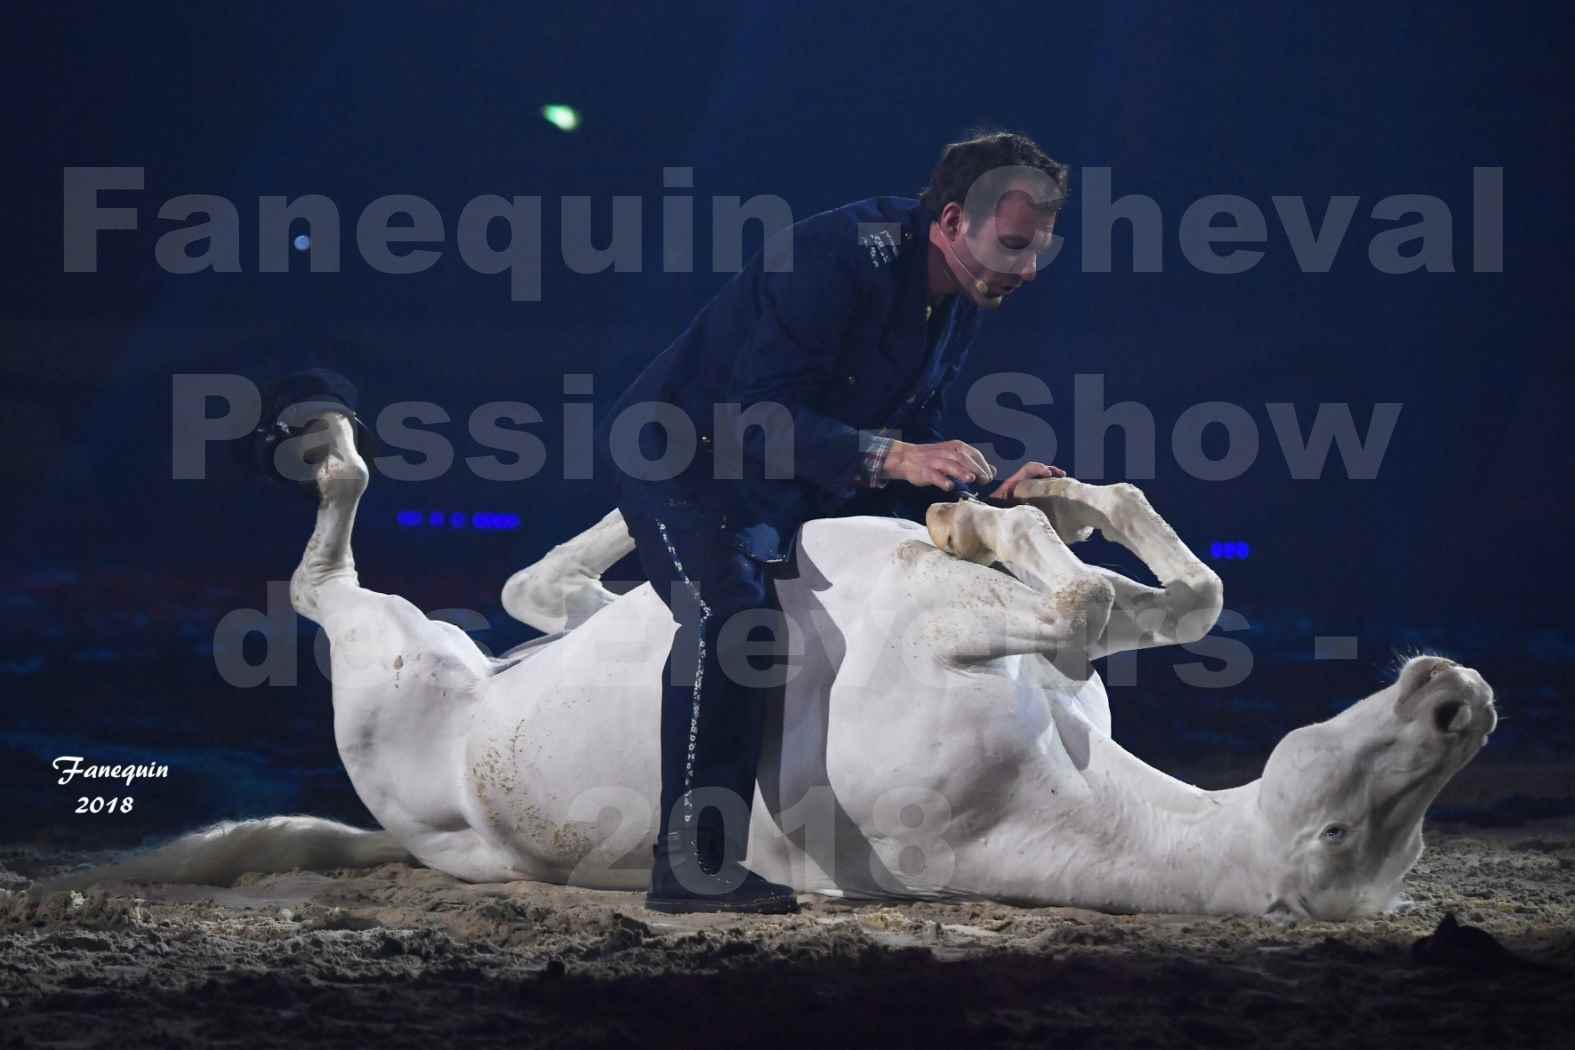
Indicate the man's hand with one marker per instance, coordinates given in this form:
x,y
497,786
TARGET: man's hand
x,y
1031,469
937,464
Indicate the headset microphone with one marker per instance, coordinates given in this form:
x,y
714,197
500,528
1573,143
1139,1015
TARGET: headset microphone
x,y
979,286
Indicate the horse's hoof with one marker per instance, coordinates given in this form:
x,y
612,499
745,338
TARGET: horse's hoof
x,y
288,409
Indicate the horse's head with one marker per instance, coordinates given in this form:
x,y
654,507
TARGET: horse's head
x,y
1343,800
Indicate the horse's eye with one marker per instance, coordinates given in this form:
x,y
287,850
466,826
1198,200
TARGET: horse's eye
x,y
1334,833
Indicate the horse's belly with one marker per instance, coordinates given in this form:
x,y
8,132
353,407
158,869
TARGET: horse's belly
x,y
564,769
874,800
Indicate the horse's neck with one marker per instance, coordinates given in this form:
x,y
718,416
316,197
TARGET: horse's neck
x,y
1169,846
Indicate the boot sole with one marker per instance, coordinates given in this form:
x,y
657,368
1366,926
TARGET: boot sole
x,y
686,905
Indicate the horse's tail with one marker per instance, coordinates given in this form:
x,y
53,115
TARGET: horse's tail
x,y
220,853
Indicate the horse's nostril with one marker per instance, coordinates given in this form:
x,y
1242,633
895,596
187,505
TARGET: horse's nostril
x,y
1451,715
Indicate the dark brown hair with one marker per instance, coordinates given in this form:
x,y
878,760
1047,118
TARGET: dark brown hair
x,y
964,163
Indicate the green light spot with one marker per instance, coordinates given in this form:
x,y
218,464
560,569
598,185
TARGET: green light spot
x,y
564,118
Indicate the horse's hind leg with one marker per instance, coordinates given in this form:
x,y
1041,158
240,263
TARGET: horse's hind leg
x,y
341,476
1188,600
363,625
404,685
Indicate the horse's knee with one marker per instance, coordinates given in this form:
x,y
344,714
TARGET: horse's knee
x,y
1083,606
1123,504
1197,602
1127,491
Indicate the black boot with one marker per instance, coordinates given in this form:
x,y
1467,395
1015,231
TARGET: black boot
x,y
690,873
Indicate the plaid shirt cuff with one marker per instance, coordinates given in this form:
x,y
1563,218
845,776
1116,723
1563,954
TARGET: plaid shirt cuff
x,y
872,460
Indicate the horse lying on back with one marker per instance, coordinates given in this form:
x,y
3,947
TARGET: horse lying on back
x,y
941,734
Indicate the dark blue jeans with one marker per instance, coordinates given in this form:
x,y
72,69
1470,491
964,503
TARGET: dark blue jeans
x,y
717,683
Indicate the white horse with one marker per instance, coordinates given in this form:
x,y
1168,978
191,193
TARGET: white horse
x,y
940,734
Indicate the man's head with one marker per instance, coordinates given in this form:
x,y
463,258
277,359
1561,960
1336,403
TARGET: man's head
x,y
994,199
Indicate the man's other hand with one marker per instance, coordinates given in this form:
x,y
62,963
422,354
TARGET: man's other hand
x,y
1031,469
940,464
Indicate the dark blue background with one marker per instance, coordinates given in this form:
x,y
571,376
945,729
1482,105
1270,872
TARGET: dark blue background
x,y
116,574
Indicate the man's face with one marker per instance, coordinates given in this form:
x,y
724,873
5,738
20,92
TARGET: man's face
x,y
1003,250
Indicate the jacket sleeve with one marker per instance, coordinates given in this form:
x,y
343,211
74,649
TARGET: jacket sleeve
x,y
926,427
913,501
804,304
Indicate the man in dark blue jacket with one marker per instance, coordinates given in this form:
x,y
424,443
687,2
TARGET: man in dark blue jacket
x,y
811,386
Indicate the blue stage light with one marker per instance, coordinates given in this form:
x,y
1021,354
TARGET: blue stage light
x,y
457,519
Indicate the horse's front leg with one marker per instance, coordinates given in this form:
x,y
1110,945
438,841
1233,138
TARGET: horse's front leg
x,y
1055,605
1188,601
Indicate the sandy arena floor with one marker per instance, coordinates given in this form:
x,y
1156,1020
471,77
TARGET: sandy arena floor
x,y
404,957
